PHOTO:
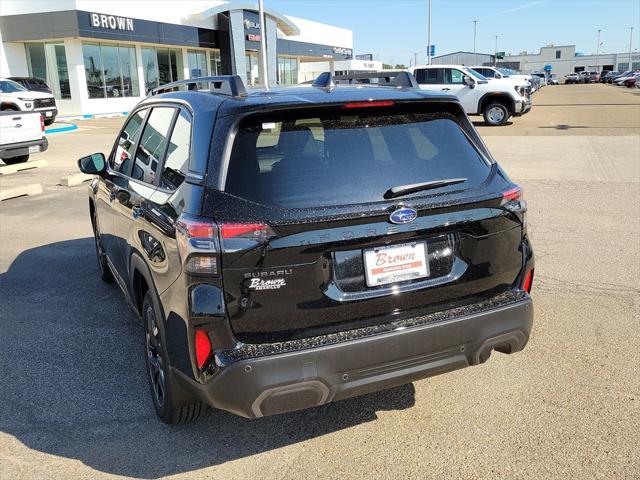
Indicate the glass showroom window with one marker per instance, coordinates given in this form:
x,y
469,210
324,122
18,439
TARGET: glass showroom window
x,y
161,66
253,74
197,63
216,63
287,70
111,70
48,62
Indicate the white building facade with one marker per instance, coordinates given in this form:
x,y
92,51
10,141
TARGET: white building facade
x,y
102,56
563,59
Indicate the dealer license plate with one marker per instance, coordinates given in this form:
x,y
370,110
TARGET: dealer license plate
x,y
397,263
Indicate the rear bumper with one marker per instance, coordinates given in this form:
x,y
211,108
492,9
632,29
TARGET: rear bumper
x,y
273,384
48,113
12,150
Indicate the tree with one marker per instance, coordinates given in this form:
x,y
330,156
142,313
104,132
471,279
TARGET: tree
x,y
400,66
386,66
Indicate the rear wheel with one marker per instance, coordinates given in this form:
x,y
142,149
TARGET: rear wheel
x,y
105,272
14,160
495,114
161,381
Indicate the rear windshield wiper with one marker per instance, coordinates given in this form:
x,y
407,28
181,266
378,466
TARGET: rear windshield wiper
x,y
400,190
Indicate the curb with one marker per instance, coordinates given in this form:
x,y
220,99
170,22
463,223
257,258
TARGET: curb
x,y
97,115
74,179
9,169
68,128
29,190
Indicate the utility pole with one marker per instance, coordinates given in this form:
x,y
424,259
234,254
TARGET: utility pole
x,y
429,37
475,24
415,59
263,45
598,52
630,43
495,54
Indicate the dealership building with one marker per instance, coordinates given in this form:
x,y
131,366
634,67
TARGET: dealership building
x,y
104,56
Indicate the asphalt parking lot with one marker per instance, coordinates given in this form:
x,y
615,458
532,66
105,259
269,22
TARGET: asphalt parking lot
x,y
73,391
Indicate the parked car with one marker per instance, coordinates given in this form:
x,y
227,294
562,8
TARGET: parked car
x,y
492,73
620,81
571,78
14,96
542,78
534,81
552,79
496,102
32,84
612,78
314,258
606,74
21,134
631,81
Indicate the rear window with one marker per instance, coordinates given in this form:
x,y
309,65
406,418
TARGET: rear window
x,y
348,157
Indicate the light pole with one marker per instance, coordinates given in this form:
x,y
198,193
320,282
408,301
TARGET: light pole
x,y
475,24
263,46
495,54
415,59
598,52
429,36
630,43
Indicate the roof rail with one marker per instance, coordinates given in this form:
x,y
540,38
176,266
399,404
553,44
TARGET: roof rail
x,y
228,85
384,79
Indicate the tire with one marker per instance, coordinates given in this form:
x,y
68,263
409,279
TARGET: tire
x,y
161,382
49,122
495,114
15,160
105,271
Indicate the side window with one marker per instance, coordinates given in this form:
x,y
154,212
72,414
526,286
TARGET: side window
x,y
152,144
487,72
121,159
453,76
177,160
427,76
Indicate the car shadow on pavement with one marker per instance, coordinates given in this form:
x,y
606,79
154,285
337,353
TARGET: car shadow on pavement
x,y
73,382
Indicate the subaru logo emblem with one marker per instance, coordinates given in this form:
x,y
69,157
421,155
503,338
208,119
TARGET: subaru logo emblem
x,y
403,215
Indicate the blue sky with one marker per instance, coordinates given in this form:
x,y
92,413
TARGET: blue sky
x,y
394,29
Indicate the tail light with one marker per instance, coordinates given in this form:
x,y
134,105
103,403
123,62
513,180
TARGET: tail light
x,y
528,281
254,231
41,123
197,240
202,347
514,194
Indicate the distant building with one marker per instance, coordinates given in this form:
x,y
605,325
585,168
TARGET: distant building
x,y
563,59
463,58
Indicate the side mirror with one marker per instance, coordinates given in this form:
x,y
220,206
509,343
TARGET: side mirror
x,y
94,164
468,81
498,75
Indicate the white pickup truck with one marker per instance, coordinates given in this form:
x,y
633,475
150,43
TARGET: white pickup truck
x,y
14,96
21,134
496,101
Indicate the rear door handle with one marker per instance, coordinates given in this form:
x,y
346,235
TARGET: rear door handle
x,y
137,212
446,88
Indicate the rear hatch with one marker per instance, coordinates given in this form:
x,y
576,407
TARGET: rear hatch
x,y
316,239
18,127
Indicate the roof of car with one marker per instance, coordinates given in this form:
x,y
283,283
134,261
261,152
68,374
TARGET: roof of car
x,y
261,99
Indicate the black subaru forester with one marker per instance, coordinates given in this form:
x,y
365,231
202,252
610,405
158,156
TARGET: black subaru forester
x,y
287,248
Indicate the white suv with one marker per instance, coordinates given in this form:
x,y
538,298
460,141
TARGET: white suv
x,y
495,101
